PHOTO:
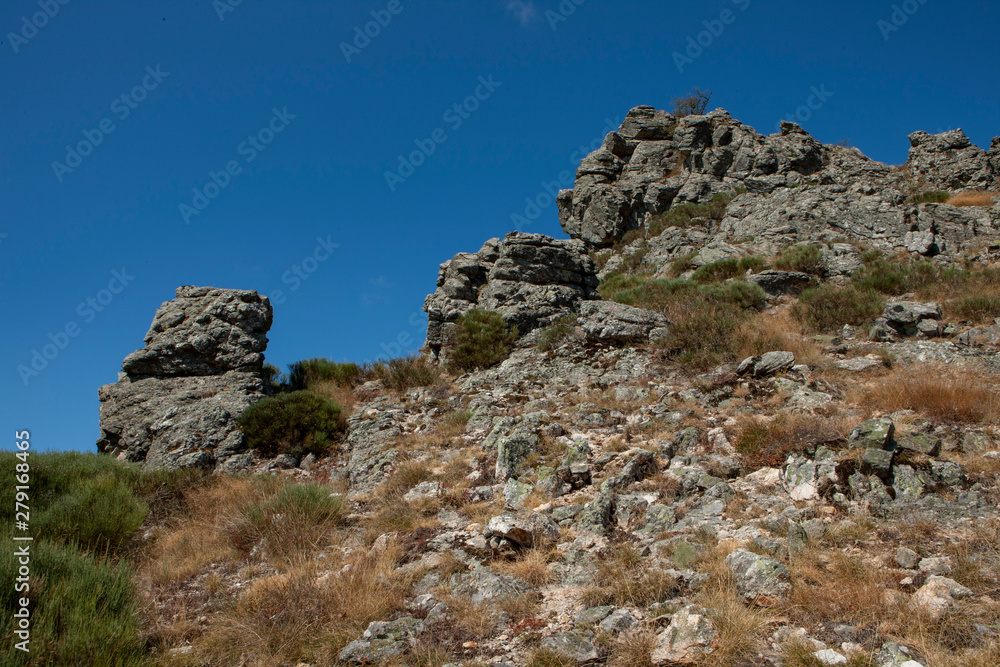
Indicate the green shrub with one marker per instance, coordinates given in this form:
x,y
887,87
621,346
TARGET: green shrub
x,y
306,373
682,214
85,499
802,258
84,611
703,337
826,307
271,375
681,265
881,275
404,373
930,197
724,269
295,423
735,294
977,308
482,340
556,333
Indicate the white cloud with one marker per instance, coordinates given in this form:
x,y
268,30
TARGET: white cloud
x,y
525,12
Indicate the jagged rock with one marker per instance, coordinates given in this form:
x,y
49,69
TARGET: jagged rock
x,y
615,324
766,364
937,595
513,449
618,621
524,530
923,443
482,584
530,279
873,434
177,401
383,640
758,577
370,436
777,283
688,637
949,161
877,462
893,655
908,317
906,558
597,514
572,645
641,464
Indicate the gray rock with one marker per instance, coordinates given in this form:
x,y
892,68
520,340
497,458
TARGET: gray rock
x,y
613,323
514,493
894,655
640,464
619,621
873,434
591,616
572,645
907,317
513,450
906,558
757,576
596,515
922,443
937,595
688,638
767,364
523,530
383,640
948,473
949,161
778,283
828,656
859,364
177,401
877,462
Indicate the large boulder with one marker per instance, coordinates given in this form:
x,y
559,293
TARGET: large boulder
x,y
530,279
949,161
176,403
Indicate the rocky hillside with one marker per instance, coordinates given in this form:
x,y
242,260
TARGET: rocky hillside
x,y
746,415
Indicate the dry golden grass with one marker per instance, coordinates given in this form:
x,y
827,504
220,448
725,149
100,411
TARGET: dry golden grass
x,y
741,629
520,607
477,620
531,565
935,391
766,332
979,198
633,649
343,396
305,614
767,442
624,579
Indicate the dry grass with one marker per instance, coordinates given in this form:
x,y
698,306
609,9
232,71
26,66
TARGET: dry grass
x,y
305,614
935,391
342,395
520,607
765,442
532,566
741,629
633,649
979,198
624,579
766,332
476,620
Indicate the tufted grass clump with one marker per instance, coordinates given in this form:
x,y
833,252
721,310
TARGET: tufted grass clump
x,y
297,423
682,215
556,333
827,308
724,269
802,258
404,373
974,198
931,197
307,373
482,340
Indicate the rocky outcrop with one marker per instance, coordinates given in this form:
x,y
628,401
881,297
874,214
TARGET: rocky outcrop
x,y
949,161
530,279
176,402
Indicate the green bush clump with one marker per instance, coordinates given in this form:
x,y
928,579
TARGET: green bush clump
x,y
404,373
682,214
306,373
724,269
84,610
482,340
664,294
977,308
930,197
826,307
295,423
556,333
802,258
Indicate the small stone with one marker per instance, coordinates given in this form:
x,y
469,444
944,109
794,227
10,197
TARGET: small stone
x,y
688,637
906,558
877,462
830,657
873,434
940,565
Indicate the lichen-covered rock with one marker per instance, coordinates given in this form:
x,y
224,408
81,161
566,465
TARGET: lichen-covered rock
x,y
688,637
177,401
383,640
572,645
873,434
523,530
949,161
758,577
615,324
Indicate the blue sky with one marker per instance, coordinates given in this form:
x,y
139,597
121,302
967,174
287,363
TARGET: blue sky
x,y
292,134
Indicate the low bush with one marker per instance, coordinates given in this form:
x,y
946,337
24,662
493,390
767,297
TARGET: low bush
x,y
934,391
404,373
977,308
693,104
930,197
482,340
802,258
295,520
767,443
681,215
296,423
556,333
826,308
724,269
306,373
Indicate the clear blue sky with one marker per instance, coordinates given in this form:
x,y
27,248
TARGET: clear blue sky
x,y
554,80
